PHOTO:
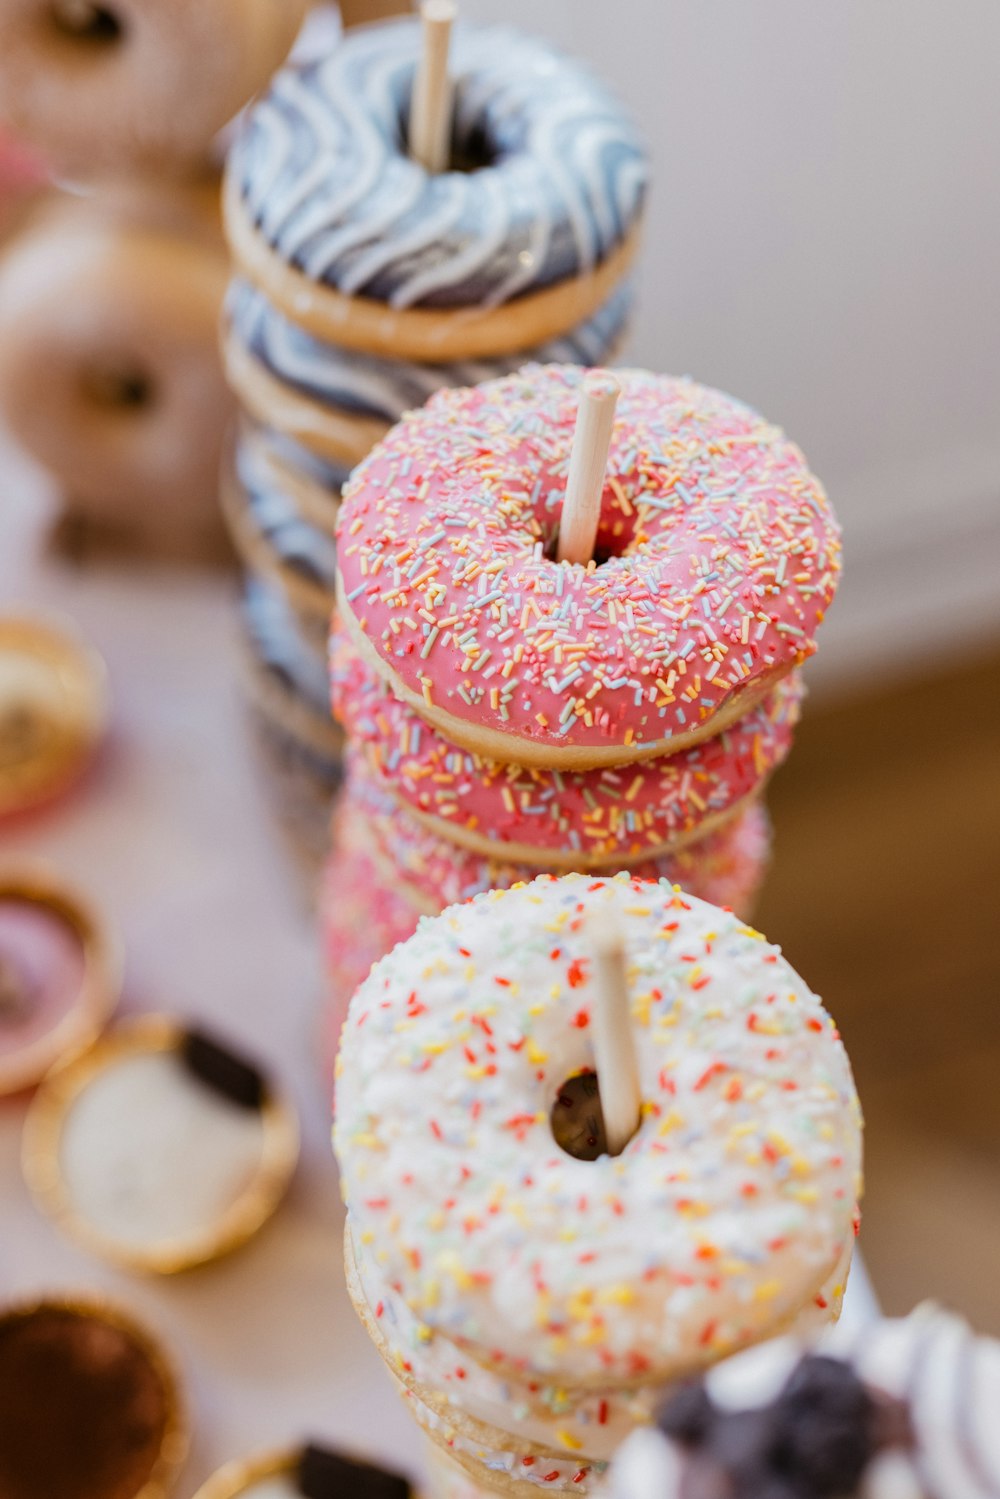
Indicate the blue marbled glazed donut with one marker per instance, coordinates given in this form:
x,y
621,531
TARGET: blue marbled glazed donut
x,y
558,181
293,541
370,386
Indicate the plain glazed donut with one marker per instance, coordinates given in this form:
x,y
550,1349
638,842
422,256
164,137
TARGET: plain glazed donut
x,y
101,85
110,375
361,247
601,818
728,1209
718,555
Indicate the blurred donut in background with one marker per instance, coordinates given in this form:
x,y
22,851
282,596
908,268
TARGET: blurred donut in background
x,y
110,375
124,84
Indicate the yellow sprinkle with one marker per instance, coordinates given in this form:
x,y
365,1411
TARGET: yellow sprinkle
x,y
619,1295
673,1120
568,1440
767,1290
535,1054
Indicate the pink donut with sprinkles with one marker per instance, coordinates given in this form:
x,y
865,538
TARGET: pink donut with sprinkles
x,y
387,870
588,819
716,558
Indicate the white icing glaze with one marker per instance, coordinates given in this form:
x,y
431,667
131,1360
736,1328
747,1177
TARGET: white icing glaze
x,y
743,1174
323,172
590,1423
150,1155
648,1466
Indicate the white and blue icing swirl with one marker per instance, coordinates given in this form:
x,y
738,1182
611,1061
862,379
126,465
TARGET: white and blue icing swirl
x,y
282,449
368,386
297,543
281,647
322,171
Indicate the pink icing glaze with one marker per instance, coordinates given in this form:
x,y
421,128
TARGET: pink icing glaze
x,y
608,814
722,555
386,870
41,973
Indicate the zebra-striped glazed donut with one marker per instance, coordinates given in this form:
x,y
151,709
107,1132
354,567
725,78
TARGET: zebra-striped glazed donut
x,y
359,244
376,389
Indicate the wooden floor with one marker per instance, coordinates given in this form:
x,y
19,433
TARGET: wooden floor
x,y
885,893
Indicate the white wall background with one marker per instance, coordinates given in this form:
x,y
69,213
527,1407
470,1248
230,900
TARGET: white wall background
x,y
824,241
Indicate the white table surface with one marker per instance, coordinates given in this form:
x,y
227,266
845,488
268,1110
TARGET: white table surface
x,y
172,836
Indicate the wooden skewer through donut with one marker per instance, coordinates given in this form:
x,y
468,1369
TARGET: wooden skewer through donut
x,y
581,510
617,1063
431,104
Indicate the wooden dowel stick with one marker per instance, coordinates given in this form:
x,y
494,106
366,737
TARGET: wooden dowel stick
x,y
617,1062
581,511
431,104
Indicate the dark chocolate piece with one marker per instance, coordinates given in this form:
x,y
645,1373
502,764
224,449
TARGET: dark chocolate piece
x,y
221,1070
814,1441
329,1475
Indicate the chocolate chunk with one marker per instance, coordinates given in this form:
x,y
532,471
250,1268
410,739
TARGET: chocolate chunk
x,y
220,1069
329,1475
687,1416
825,1420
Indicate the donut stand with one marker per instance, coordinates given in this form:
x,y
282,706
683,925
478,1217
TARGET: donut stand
x,y
110,292
521,643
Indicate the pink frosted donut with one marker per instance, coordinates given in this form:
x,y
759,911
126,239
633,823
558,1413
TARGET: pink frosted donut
x,y
725,867
716,557
387,870
558,819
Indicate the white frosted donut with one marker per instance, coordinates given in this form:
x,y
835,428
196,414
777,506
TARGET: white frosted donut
x,y
101,85
523,1422
716,557
721,1220
110,374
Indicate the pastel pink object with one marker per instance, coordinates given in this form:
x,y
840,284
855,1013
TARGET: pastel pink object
x,y
717,556
570,819
41,973
386,871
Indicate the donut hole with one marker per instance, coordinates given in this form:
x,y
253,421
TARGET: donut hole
x,y
82,21
470,149
118,389
616,533
577,1118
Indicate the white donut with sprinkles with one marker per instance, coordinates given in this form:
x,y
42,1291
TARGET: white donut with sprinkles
x,y
726,1213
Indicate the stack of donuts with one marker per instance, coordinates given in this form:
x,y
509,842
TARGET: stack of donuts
x,y
110,375
531,1289
366,280
508,712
